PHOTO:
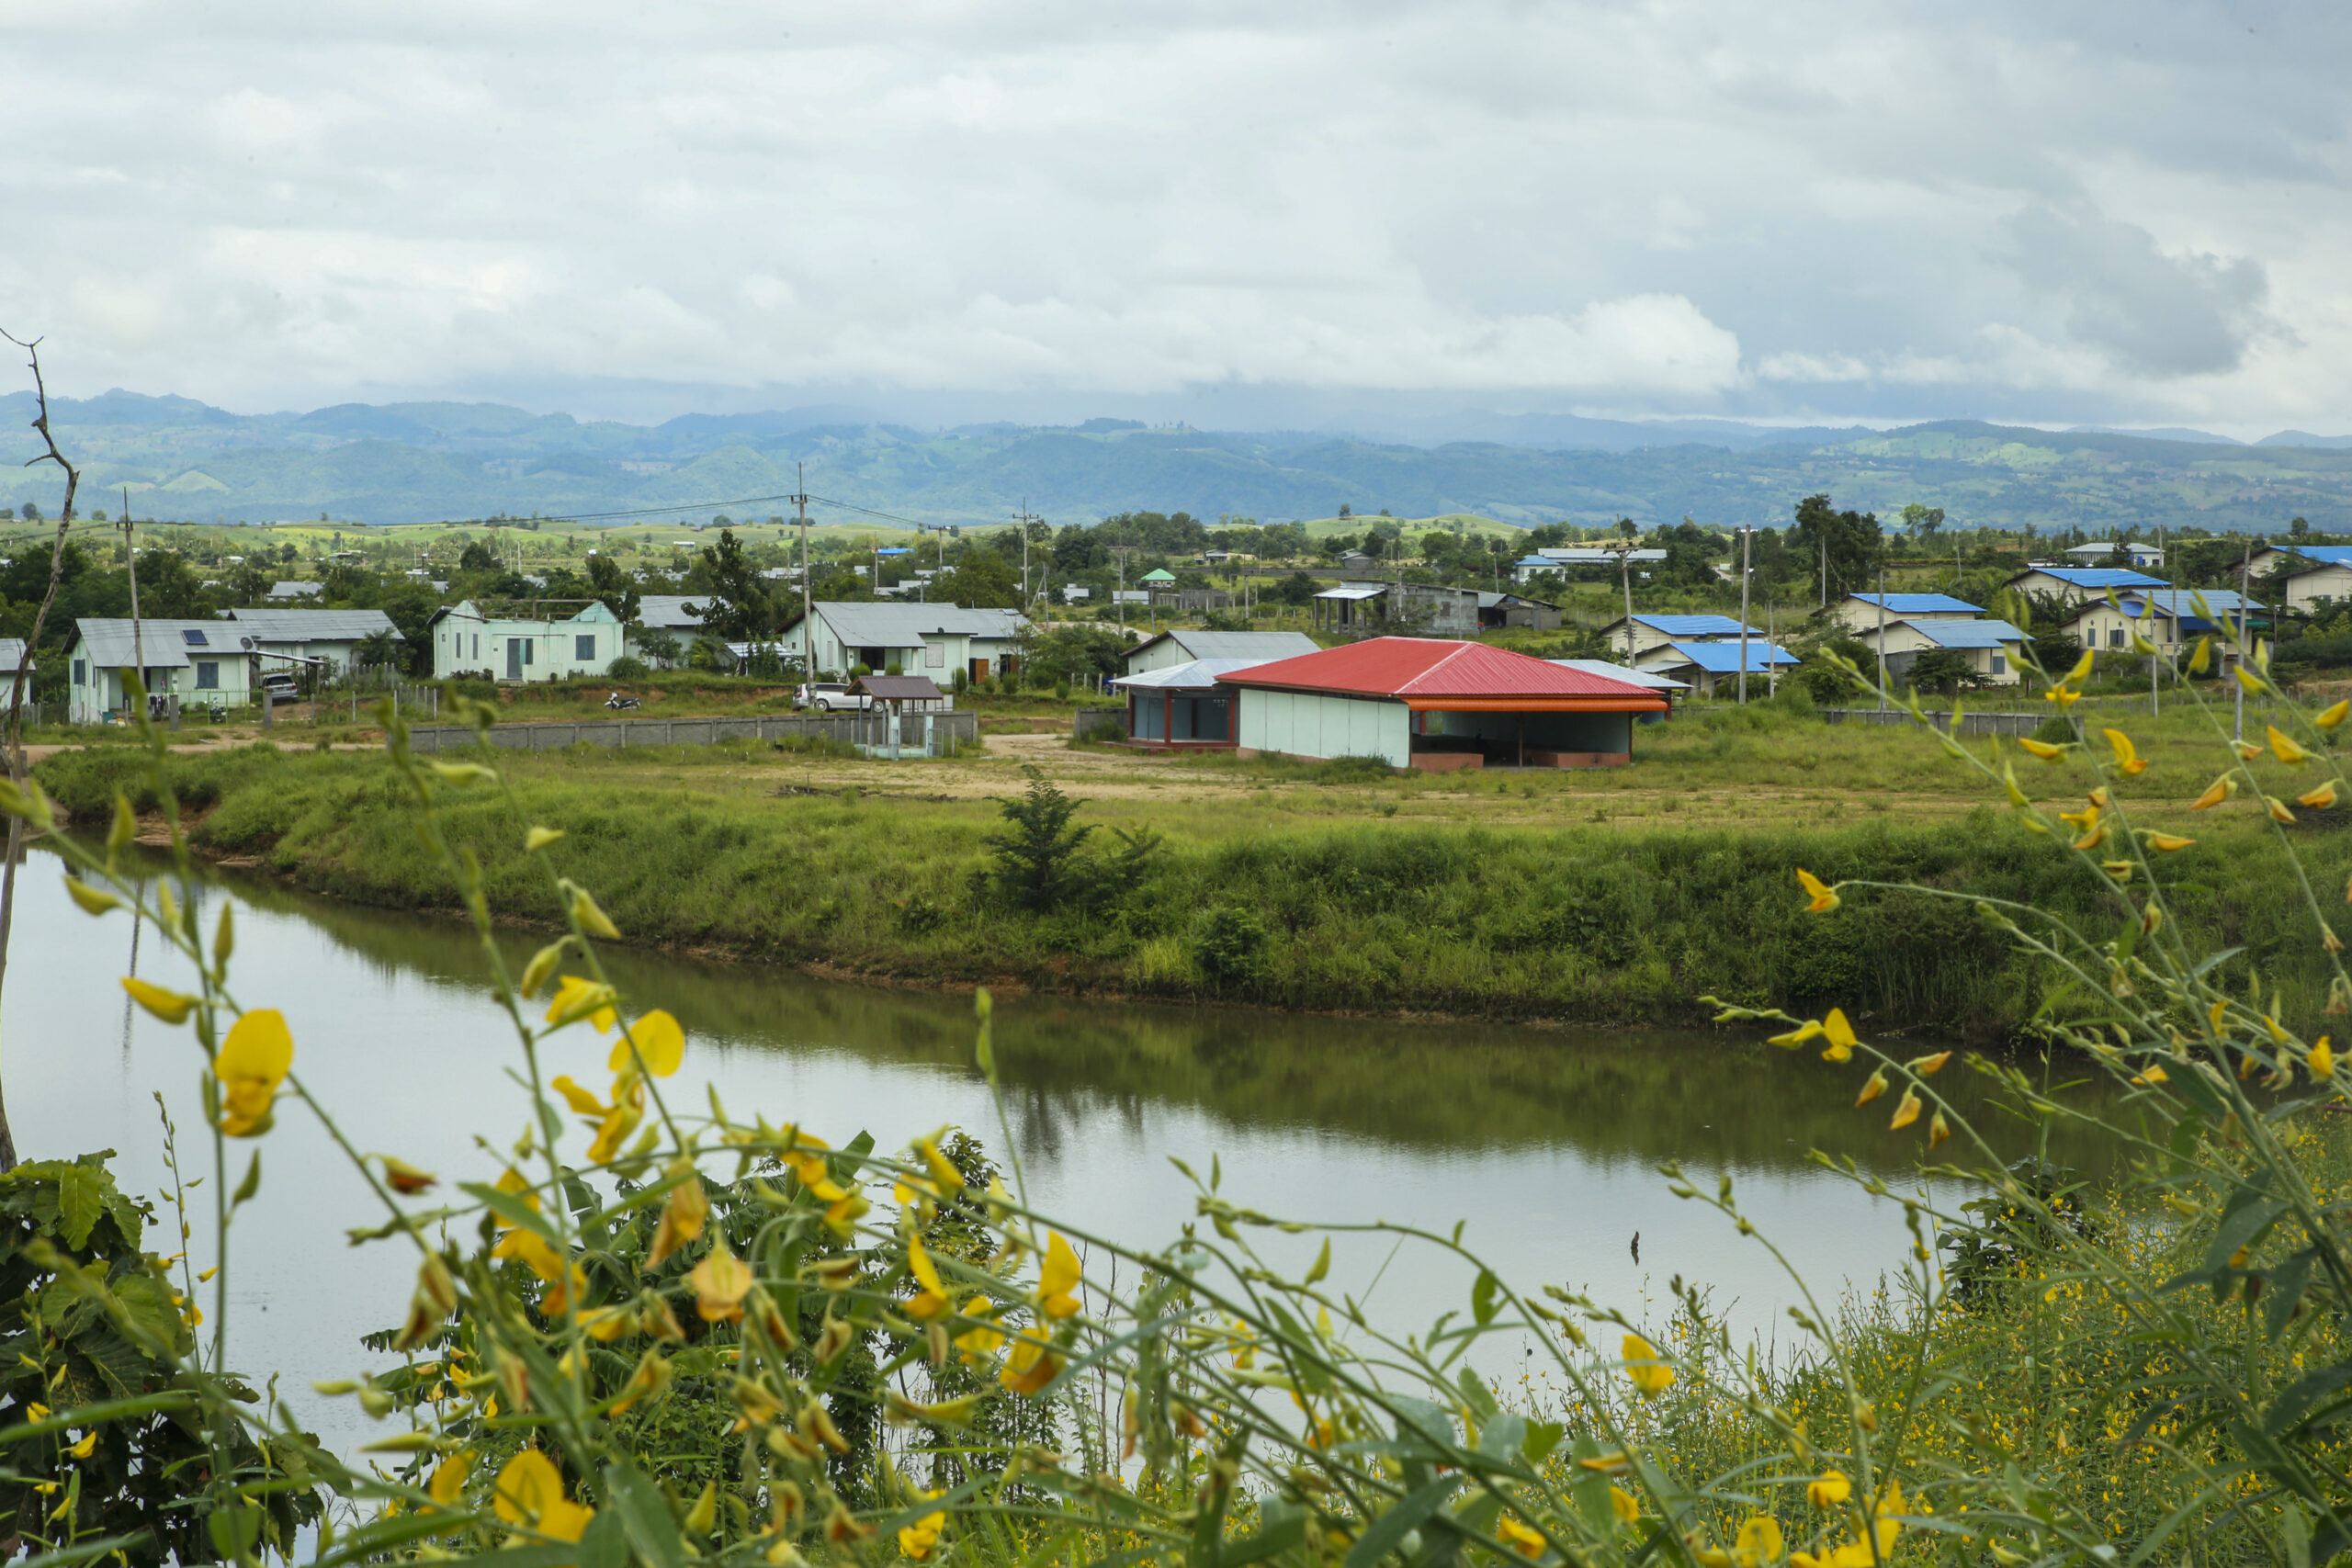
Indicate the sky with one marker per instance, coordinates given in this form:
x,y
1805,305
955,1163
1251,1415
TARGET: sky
x,y
1244,215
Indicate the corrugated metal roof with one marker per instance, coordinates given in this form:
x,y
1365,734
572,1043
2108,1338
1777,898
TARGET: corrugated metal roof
x,y
314,626
2321,555
1722,658
1258,647
1355,591
1920,604
2183,601
667,612
2099,576
1966,634
1427,667
12,653
297,589
1603,668
1197,675
1688,626
878,624
898,688
109,642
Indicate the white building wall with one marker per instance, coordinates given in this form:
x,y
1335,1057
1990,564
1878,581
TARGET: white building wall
x,y
2304,590
1310,725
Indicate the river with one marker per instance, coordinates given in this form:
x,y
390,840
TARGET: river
x,y
1544,1141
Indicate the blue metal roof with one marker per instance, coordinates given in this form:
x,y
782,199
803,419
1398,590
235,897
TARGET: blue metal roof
x,y
1967,634
1922,604
2183,601
2326,555
2100,576
1693,625
1722,658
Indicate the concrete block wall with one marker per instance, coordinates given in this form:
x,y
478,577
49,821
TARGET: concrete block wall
x,y
870,730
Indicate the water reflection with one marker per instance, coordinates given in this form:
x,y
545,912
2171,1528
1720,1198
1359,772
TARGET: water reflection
x,y
1544,1141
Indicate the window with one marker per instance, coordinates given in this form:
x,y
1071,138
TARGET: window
x,y
933,656
193,638
2115,638
477,644
583,647
530,648
2000,664
81,672
207,674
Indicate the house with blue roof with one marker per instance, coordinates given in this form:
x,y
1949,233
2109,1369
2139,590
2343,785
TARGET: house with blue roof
x,y
2075,584
1707,665
1657,631
1859,613
2307,573
1994,650
2171,618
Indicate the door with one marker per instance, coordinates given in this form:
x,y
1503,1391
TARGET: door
x,y
980,668
513,657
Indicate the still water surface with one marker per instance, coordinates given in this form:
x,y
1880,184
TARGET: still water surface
x,y
1545,1142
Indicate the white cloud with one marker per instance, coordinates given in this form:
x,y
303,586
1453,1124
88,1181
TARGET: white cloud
x,y
1647,208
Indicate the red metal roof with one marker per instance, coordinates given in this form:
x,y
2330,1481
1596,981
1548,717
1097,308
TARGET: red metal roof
x,y
1425,666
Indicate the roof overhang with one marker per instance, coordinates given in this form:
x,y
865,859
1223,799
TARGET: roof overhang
x,y
1644,704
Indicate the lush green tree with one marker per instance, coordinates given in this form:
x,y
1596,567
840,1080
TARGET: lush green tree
x,y
981,579
610,586
736,606
475,557
1852,542
1922,519
1297,590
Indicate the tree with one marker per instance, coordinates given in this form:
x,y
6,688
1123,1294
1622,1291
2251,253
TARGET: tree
x,y
1922,519
736,607
1853,542
611,587
981,579
475,557
1037,862
1942,671
1297,590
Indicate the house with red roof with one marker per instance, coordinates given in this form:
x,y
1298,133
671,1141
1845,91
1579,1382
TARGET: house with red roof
x,y
1438,705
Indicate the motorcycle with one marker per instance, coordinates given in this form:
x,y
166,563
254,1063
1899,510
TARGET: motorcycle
x,y
621,704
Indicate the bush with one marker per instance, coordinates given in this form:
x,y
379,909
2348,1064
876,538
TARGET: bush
x,y
1038,863
1230,945
627,668
480,688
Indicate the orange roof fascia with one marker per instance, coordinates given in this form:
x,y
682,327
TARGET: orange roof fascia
x,y
1536,705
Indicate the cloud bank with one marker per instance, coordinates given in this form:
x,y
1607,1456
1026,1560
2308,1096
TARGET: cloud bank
x,y
2090,212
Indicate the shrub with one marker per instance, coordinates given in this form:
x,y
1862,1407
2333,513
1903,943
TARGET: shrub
x,y
627,668
1230,945
1038,861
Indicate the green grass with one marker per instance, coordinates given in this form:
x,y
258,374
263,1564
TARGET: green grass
x,y
1390,895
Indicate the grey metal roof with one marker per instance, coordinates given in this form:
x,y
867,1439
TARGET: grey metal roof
x,y
284,590
109,643
1199,675
1619,673
314,626
878,624
1965,634
1358,591
666,612
898,688
1260,647
12,653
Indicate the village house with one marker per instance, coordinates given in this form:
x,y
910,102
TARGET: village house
x,y
1707,665
1859,613
2075,585
1183,645
2311,574
2114,554
2171,619
1994,650
1569,558
524,640
220,660
1496,611
1437,705
674,614
1382,609
920,639
1657,631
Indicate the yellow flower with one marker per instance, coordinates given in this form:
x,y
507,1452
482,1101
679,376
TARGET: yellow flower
x,y
2153,1075
1519,1538
252,1062
2246,750
720,1281
1928,1066
942,1170
1906,1111
578,1099
448,1482
1872,1089
983,1339
1759,1542
682,1214
172,1007
2128,762
2249,679
1938,1130
628,1108
2335,714
649,1381
933,1300
2167,843
405,1179
2220,790
2043,749
2322,1061
660,1042
1841,1036
1622,1503
87,1446
1829,1489
1825,897
916,1540
1031,1367
576,999
2278,808
1809,1029
529,1491
2081,671
1649,1375
2284,746
1057,1277
2318,799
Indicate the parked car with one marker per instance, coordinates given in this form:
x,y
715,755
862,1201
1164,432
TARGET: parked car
x,y
826,696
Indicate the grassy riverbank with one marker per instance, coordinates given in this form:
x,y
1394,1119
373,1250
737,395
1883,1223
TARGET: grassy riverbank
x,y
1293,894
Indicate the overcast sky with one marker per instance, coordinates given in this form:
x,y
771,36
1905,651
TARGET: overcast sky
x,y
2130,213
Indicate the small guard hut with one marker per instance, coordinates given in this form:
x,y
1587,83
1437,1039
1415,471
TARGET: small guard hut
x,y
1437,705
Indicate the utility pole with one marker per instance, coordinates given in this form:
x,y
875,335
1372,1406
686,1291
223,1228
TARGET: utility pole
x,y
130,559
2246,602
1747,559
1120,553
1028,599
1771,642
1625,572
807,608
1882,639
1824,566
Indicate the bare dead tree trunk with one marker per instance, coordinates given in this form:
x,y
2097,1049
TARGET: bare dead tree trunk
x,y
18,771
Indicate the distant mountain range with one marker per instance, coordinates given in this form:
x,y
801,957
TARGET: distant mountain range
x,y
422,462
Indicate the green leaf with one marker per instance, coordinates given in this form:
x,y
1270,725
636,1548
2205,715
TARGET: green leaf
x,y
510,1206
81,1199
85,1551
1322,1264
645,1515
1475,1394
1542,1436
1384,1534
249,1185
1482,1297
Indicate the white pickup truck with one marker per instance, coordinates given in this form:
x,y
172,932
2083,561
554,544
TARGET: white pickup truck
x,y
827,696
